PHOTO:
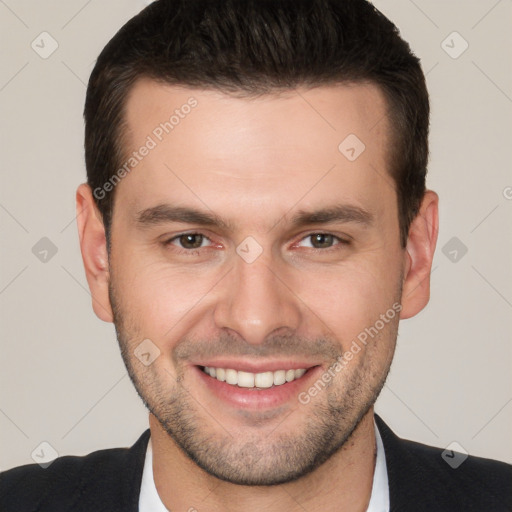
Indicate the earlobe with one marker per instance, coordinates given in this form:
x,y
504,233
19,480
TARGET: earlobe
x,y
93,246
418,256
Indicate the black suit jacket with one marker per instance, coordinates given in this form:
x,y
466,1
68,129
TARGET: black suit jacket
x,y
109,480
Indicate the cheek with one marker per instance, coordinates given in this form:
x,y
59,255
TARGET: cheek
x,y
350,300
159,298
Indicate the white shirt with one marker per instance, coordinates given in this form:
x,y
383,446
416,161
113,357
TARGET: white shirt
x,y
149,500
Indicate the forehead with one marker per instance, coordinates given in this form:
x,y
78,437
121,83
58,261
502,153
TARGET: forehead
x,y
207,145
325,113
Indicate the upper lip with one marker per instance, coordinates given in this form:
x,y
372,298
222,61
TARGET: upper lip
x,y
257,366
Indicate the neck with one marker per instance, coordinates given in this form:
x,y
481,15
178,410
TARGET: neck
x,y
343,482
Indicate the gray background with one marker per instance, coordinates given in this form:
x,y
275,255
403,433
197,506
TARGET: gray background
x,y
62,379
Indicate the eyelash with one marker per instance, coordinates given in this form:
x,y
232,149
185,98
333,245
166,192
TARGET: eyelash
x,y
341,242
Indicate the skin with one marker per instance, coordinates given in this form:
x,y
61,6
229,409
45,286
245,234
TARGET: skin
x,y
255,163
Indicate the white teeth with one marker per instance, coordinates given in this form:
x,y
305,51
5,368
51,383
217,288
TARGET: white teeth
x,y
279,377
231,376
210,371
261,380
246,379
264,380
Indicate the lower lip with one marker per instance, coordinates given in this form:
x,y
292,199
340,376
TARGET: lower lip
x,y
252,398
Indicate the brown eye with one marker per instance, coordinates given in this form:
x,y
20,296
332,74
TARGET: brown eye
x,y
322,240
325,241
191,240
190,245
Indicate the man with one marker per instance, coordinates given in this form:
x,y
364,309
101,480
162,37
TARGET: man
x,y
255,223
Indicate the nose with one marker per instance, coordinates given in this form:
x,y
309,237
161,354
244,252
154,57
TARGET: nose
x,y
257,300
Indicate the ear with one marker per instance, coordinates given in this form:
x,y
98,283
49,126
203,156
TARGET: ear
x,y
93,245
419,253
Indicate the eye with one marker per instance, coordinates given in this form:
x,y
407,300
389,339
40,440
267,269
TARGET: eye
x,y
188,241
323,241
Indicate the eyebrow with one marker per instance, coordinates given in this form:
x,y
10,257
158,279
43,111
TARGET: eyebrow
x,y
165,213
338,213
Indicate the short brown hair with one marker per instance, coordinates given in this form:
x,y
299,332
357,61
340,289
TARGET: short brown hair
x,y
257,47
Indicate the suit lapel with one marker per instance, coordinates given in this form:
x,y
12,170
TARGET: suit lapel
x,y
414,480
111,481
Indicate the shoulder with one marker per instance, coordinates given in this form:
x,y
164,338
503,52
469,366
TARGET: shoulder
x,y
75,482
461,469
444,479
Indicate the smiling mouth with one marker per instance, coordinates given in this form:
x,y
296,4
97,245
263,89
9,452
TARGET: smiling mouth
x,y
262,380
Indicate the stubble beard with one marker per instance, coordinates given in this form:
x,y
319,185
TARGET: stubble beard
x,y
258,457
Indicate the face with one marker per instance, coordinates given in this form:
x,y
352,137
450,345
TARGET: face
x,y
246,241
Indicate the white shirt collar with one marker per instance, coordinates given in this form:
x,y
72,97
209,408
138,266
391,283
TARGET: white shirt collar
x,y
149,500
379,499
